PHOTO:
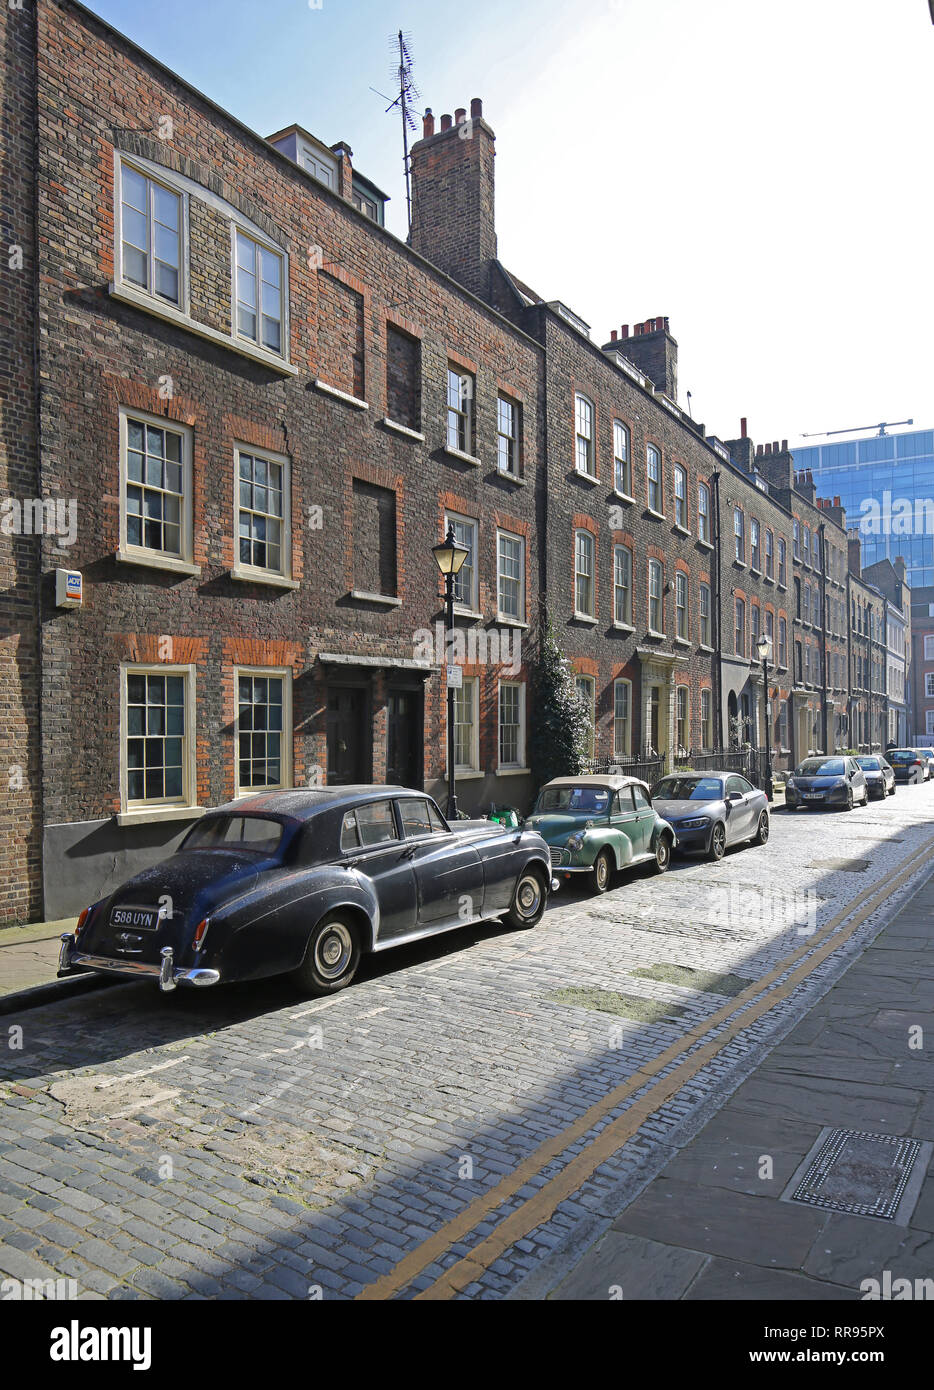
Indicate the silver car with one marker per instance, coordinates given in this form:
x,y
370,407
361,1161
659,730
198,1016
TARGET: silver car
x,y
709,811
879,774
827,781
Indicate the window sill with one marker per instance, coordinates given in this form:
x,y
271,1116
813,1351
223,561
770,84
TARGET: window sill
x,y
622,627
466,774
703,647
706,545
503,621
151,814
157,562
401,429
461,457
680,642
508,477
783,587
512,771
767,579
344,396
682,530
659,636
138,300
389,600
624,497
739,564
584,618
659,516
587,478
754,571
274,581
467,613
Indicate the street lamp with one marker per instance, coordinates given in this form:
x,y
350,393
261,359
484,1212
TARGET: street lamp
x,y
449,557
764,648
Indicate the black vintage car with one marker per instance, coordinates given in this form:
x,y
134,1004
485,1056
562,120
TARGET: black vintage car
x,y
307,882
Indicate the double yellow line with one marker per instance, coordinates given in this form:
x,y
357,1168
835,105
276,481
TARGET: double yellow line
x,y
540,1207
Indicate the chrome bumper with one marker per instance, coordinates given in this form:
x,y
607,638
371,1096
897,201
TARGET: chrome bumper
x,y
166,974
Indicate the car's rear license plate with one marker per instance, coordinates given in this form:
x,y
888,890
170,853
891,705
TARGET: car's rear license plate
x,y
813,796
135,918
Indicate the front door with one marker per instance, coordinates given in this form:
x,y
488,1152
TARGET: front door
x,y
348,763
404,763
654,719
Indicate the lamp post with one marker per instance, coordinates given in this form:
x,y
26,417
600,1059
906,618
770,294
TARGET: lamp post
x,y
764,648
450,557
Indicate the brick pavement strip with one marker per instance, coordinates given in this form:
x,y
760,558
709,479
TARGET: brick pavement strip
x,y
231,1183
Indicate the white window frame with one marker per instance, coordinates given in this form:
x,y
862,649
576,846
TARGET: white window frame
x,y
769,554
622,748
929,685
502,616
655,568
704,619
739,628
683,690
622,459
588,416
703,513
472,684
706,719
141,554
681,498
147,171
755,545
164,807
463,412
283,673
267,245
512,444
520,764
781,572
472,604
583,612
653,451
682,626
255,572
618,589
739,536
929,646
782,649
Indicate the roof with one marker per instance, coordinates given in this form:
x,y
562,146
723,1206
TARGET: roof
x,y
299,803
613,780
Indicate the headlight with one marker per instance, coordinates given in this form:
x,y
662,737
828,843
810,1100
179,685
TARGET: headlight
x,y
575,841
789,781
697,823
838,782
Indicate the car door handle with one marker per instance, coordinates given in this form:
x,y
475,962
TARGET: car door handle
x,y
351,863
409,853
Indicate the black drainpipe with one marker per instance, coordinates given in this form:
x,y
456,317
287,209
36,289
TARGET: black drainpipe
x,y
718,638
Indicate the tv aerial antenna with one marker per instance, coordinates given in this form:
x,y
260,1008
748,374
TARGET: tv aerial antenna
x,y
400,46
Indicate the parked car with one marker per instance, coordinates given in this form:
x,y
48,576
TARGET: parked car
x,y
909,764
928,755
833,781
598,825
709,811
308,882
879,774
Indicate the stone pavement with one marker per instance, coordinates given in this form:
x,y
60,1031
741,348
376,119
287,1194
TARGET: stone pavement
x,y
29,955
711,1224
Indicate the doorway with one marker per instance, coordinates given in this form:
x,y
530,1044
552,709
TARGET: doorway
x,y
404,756
347,740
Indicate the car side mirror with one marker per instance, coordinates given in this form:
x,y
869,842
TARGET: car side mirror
x,y
735,796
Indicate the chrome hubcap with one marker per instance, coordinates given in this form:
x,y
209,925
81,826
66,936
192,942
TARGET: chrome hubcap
x,y
333,951
602,872
529,896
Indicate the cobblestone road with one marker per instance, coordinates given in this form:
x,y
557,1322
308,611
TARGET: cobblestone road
x,y
246,1143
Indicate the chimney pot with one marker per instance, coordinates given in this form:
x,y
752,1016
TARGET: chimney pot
x,y
428,124
612,335
836,501
637,329
742,428
768,448
460,115
784,446
775,447
445,122
625,332
476,109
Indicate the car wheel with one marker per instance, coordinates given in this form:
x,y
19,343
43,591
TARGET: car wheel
x,y
528,901
762,832
662,854
332,956
717,842
849,799
602,871
891,791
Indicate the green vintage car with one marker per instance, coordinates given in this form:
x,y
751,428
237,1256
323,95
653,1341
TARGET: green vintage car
x,y
597,825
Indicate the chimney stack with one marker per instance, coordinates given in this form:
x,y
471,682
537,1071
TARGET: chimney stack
x,y
612,335
655,352
428,124
742,428
453,217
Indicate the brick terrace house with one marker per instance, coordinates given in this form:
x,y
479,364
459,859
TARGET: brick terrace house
x,y
262,410
922,665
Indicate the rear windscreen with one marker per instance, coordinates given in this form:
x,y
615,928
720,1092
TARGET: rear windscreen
x,y
240,832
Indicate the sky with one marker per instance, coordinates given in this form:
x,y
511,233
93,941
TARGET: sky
x,y
759,173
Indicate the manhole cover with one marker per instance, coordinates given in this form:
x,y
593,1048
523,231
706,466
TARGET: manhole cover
x,y
843,866
861,1174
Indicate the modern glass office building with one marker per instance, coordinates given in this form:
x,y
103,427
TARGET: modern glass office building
x,y
886,484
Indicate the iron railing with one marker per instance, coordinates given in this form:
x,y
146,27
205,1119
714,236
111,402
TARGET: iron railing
x,y
648,768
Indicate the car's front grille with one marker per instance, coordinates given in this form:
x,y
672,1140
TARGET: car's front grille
x,y
555,856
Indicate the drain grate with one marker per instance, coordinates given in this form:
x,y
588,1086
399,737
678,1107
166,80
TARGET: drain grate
x,y
842,866
857,1173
